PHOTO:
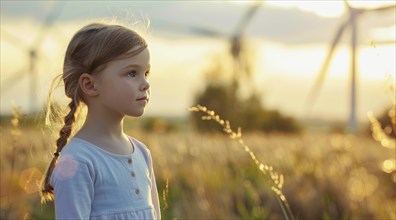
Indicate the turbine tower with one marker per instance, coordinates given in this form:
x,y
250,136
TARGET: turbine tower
x,y
351,23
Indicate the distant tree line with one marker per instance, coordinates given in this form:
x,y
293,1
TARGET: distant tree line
x,y
248,112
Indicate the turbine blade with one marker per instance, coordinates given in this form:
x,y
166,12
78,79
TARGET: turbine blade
x,y
206,32
14,40
384,8
13,80
188,29
246,18
346,3
319,80
48,22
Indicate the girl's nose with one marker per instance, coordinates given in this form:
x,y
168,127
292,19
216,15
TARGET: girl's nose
x,y
145,85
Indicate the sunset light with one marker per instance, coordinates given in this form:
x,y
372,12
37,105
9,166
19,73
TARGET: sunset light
x,y
278,109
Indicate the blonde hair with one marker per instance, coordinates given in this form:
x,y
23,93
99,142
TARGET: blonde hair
x,y
90,49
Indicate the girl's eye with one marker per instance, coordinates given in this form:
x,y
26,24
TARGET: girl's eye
x,y
147,74
132,74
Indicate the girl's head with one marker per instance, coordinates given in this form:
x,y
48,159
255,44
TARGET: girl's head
x,y
95,61
92,48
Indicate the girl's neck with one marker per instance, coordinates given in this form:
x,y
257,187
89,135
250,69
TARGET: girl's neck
x,y
105,130
103,125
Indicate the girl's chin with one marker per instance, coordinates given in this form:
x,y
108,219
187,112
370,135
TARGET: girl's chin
x,y
136,114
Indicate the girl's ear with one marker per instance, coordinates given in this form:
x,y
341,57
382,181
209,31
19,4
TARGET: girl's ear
x,y
87,84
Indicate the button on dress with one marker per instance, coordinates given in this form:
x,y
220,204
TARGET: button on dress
x,y
92,183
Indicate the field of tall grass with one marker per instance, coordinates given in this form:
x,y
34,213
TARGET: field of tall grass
x,y
211,176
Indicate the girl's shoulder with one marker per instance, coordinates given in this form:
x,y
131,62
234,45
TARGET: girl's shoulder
x,y
139,144
79,150
142,147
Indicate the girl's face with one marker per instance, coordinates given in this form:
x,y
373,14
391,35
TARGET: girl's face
x,y
123,85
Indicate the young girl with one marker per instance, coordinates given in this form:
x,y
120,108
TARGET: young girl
x,y
102,173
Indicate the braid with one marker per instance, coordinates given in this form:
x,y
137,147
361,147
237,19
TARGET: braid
x,y
65,132
47,191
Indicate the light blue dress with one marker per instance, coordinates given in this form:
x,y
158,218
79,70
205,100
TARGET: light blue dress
x,y
92,183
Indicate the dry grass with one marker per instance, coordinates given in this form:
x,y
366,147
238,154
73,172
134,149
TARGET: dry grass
x,y
211,176
275,179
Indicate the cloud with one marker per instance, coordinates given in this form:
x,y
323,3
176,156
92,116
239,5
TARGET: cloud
x,y
170,19
175,54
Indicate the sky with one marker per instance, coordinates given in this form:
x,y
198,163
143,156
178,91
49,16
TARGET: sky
x,y
289,40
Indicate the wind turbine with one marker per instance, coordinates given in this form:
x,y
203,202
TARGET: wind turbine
x,y
33,58
236,44
354,14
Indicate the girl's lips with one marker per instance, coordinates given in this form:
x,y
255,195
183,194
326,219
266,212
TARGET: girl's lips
x,y
143,98
143,101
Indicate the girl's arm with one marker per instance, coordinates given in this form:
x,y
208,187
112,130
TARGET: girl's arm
x,y
154,191
154,195
73,187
